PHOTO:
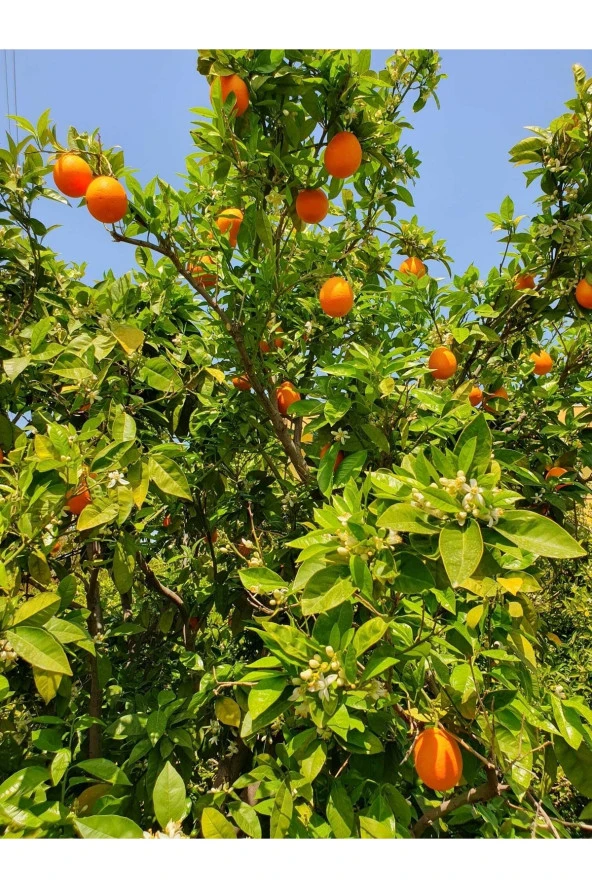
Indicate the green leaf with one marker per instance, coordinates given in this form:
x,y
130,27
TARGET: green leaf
x,y
169,797
264,695
156,725
95,516
577,764
461,549
360,574
129,338
287,641
168,477
111,826
281,814
104,770
318,599
159,374
124,564
568,723
340,811
228,711
267,580
47,683
246,819
404,518
23,782
312,765
40,649
351,467
59,765
13,367
538,535
124,428
369,634
214,825
263,229
479,430
37,610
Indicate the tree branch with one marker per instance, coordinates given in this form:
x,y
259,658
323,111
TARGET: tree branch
x,y
156,585
477,794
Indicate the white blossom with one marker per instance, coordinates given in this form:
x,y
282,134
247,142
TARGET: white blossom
x,y
116,478
340,435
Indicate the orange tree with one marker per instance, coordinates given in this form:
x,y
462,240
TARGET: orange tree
x,y
275,506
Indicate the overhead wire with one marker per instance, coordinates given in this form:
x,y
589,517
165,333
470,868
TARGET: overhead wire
x,y
10,72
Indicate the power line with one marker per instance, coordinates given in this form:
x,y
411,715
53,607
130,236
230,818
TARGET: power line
x,y
14,82
6,86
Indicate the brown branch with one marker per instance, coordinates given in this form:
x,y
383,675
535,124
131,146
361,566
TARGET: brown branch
x,y
156,585
477,794
234,329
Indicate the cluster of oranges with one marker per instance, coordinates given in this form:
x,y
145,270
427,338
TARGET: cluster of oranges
x,y
106,199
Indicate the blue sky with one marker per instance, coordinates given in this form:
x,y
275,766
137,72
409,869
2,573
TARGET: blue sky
x,y
140,100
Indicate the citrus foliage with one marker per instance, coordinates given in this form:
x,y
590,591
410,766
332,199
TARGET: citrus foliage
x,y
280,498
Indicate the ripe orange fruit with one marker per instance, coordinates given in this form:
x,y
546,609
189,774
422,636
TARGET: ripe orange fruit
x,y
524,282
230,221
232,83
584,294
336,297
72,175
166,521
106,199
78,499
312,205
338,458
543,363
242,383
285,395
437,758
56,548
265,347
278,341
343,155
475,396
212,537
413,265
442,363
556,472
207,277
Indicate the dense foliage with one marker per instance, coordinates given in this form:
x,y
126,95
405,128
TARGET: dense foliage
x,y
212,623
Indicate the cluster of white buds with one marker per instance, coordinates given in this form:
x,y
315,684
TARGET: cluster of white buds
x,y
473,503
172,830
420,501
7,652
255,560
320,676
278,597
377,689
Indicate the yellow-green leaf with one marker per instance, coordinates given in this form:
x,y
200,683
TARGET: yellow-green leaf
x,y
214,825
129,338
228,711
474,615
